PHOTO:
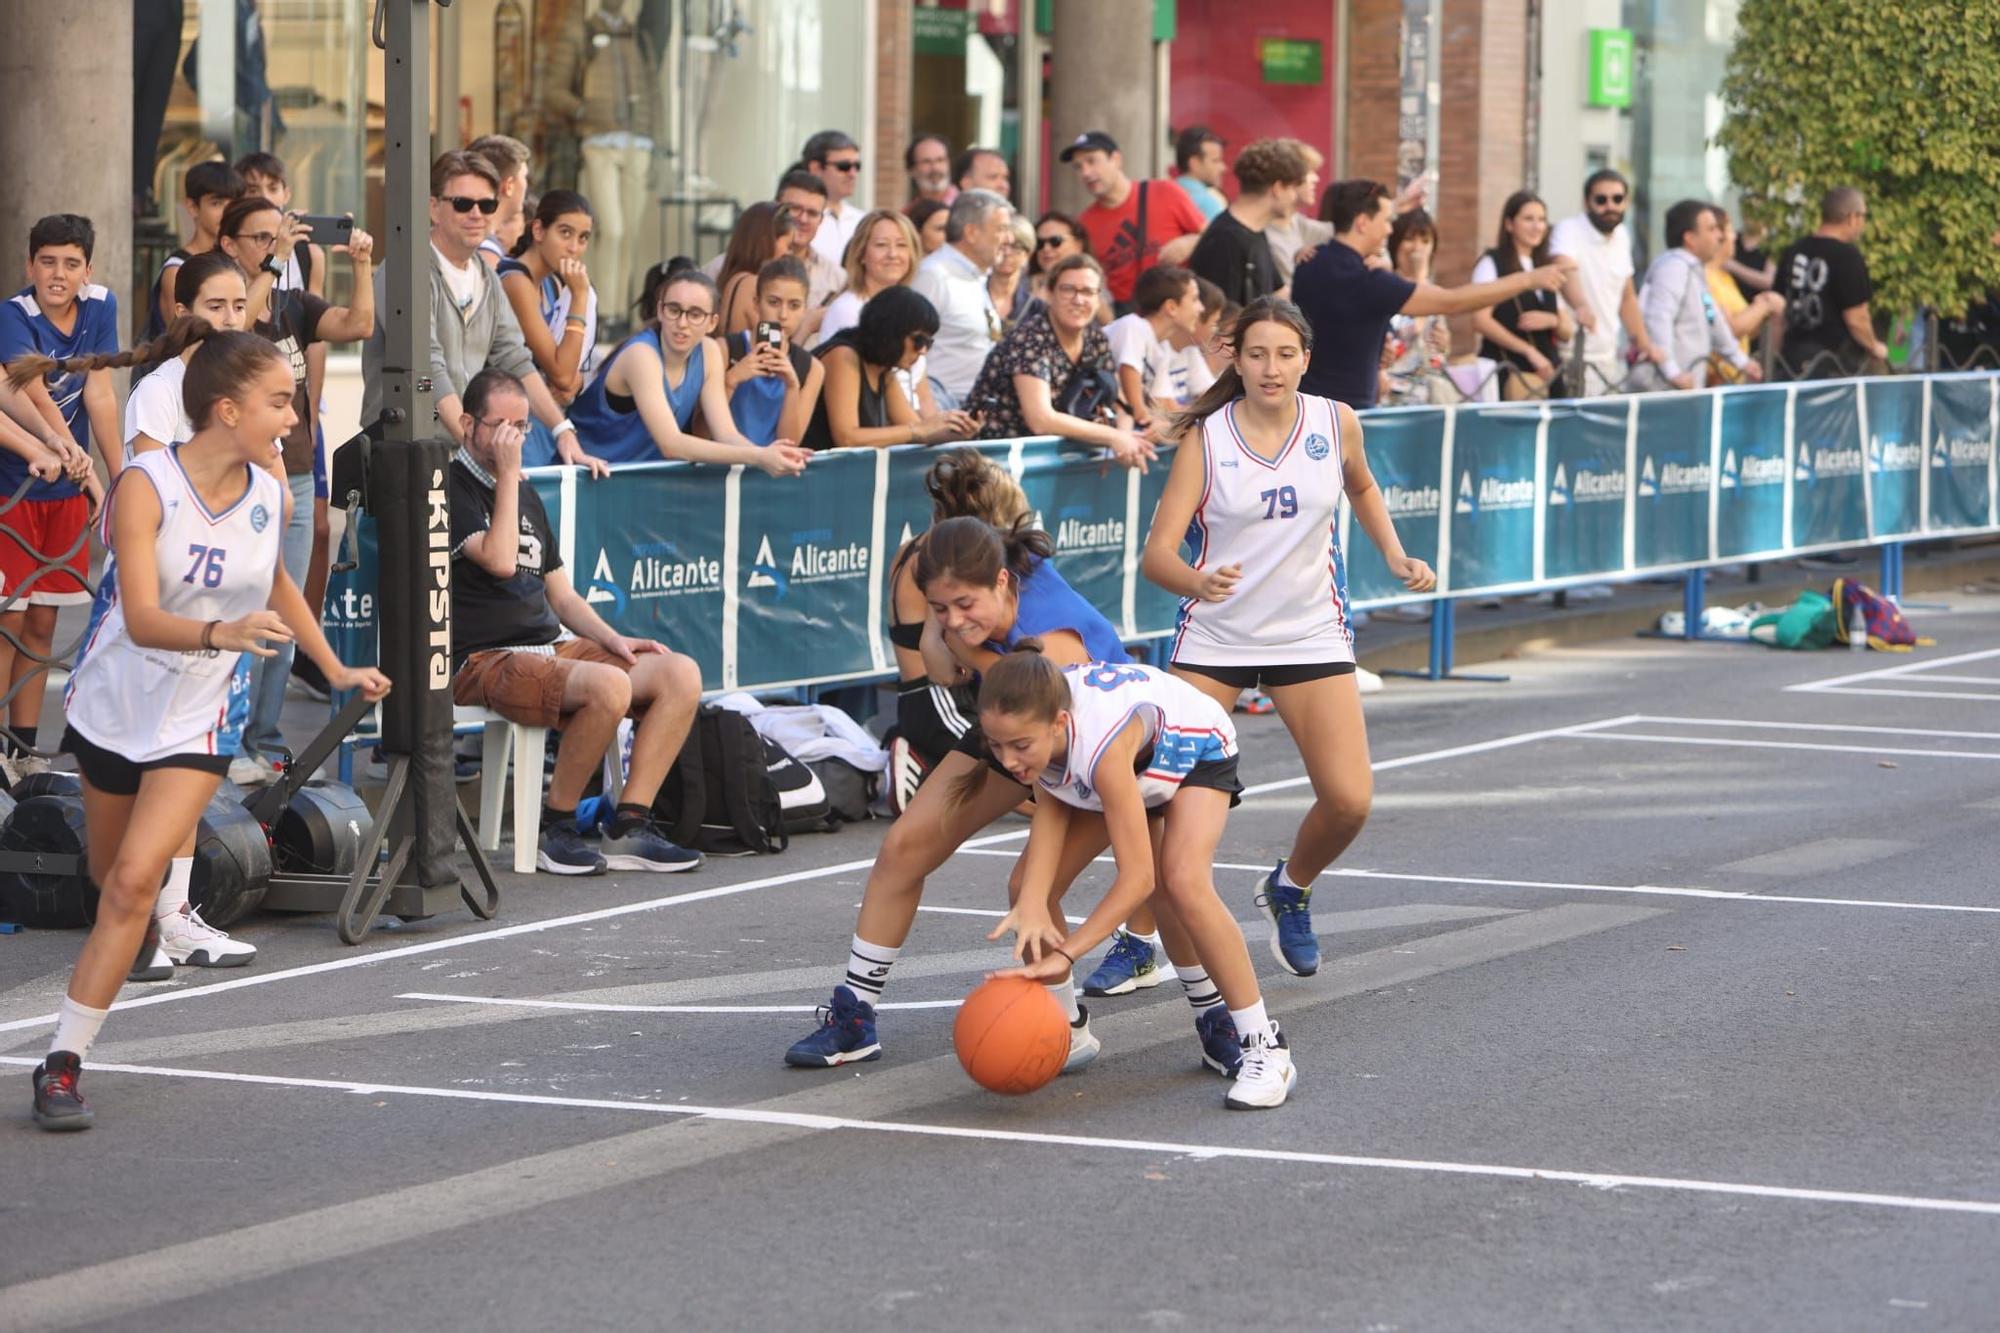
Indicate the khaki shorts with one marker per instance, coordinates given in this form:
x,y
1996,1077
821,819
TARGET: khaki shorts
x,y
524,687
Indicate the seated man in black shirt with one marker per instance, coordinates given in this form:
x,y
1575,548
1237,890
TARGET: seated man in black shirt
x,y
1233,252
1824,280
511,604
1349,303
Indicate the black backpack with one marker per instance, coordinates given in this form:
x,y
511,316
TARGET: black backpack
x,y
802,800
720,797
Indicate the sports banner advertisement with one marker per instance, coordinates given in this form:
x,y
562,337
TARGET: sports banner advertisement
x,y
1829,466
806,571
1673,481
1960,467
1893,421
1751,473
1493,497
1583,518
649,549
1405,448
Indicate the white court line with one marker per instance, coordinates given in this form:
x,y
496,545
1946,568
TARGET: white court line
x,y
1902,669
1819,726
1648,890
723,891
1909,694
660,1008
1600,1180
1957,680
1783,745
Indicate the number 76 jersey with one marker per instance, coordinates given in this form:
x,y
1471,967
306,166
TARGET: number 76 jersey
x,y
148,703
1181,729
1278,520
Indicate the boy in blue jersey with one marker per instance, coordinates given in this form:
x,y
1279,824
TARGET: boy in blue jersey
x,y
44,559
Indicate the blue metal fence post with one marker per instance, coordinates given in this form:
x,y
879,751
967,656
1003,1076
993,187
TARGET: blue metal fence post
x,y
1444,627
1892,571
1694,595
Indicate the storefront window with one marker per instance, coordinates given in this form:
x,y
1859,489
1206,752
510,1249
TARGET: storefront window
x,y
1682,48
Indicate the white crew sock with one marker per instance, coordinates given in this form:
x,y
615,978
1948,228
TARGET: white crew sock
x,y
1065,992
174,893
76,1027
1285,880
868,968
1201,992
1252,1022
1152,939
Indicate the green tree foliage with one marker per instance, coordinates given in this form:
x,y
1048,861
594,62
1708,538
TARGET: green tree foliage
x,y
1900,98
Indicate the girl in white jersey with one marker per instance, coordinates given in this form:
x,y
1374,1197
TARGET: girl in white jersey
x,y
153,706
210,287
1255,494
1132,753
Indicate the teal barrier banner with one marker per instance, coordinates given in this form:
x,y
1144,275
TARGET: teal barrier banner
x,y
1083,504
806,572
349,614
1962,442
1894,422
1583,524
1751,475
1493,500
649,548
1829,471
1405,450
1670,514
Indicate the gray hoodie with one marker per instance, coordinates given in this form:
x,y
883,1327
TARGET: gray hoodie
x,y
460,347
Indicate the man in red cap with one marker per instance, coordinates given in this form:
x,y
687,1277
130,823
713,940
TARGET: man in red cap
x,y
1127,222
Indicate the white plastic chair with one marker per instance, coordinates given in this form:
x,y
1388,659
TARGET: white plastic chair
x,y
526,746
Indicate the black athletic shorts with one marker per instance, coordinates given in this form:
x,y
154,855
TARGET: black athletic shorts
x,y
973,742
932,717
115,775
1219,774
1265,677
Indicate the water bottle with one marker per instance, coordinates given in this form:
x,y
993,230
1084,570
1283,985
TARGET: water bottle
x,y
1857,629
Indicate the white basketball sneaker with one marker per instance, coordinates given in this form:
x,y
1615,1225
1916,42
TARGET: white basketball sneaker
x,y
1267,1075
192,942
1083,1043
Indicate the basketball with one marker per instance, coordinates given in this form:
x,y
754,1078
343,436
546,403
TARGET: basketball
x,y
1011,1034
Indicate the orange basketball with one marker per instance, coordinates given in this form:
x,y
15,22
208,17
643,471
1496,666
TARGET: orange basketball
x,y
1012,1035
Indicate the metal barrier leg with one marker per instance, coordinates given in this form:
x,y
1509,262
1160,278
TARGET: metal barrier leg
x,y
1694,599
1444,627
1892,571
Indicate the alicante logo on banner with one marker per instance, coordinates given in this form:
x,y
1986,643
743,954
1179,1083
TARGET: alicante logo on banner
x,y
658,570
1075,532
1826,461
1960,453
1494,494
1412,501
1585,487
1892,456
1671,478
815,558
1752,470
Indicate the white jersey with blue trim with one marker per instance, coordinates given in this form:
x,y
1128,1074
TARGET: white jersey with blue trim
x,y
1181,727
1280,520
149,703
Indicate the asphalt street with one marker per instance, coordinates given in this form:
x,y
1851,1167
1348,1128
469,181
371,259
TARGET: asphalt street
x,y
1660,993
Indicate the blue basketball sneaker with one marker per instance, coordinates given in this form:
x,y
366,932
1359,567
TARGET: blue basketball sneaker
x,y
1132,964
1293,943
1221,1049
846,1034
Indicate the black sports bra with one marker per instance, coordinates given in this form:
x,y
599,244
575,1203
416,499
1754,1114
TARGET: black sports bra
x,y
910,636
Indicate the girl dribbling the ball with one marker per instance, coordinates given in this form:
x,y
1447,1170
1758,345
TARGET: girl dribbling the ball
x,y
1135,754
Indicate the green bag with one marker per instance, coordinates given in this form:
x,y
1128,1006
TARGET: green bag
x,y
1806,623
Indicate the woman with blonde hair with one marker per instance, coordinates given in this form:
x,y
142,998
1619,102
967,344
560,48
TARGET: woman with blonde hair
x,y
1007,284
884,253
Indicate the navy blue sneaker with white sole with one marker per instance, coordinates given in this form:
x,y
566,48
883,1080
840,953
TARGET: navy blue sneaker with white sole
x,y
642,847
564,852
1131,964
59,1104
1293,943
1221,1049
846,1034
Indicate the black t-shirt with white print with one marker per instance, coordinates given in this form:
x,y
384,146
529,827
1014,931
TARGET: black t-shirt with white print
x,y
487,612
1821,279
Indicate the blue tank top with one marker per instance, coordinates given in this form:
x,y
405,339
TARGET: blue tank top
x,y
1048,603
608,425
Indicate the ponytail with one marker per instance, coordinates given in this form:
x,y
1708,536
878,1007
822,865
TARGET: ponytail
x,y
965,482
1026,683
1228,385
182,334
974,552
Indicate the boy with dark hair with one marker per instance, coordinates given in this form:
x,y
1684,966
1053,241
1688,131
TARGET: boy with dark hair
x,y
1166,312
210,187
61,314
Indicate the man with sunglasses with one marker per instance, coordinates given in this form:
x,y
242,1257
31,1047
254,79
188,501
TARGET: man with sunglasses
x,y
835,158
1601,290
472,324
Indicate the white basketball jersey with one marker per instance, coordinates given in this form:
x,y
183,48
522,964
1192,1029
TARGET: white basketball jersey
x,y
1280,522
1183,727
148,703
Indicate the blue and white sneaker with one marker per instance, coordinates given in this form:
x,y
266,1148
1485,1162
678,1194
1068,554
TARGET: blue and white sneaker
x,y
1221,1050
846,1034
1083,1043
643,848
1293,943
1132,964
564,852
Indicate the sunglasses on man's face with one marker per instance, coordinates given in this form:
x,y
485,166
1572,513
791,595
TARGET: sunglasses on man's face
x,y
465,204
855,165
1050,242
1603,200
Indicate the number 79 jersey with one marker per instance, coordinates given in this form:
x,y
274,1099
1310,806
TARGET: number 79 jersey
x,y
1280,522
1182,727
148,703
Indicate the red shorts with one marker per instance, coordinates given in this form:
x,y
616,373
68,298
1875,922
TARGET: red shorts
x,y
44,556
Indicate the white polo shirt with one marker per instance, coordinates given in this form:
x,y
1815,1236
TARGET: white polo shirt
x,y
968,323
1604,265
835,231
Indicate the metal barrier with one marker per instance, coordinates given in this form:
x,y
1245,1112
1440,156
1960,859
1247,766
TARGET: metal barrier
x,y
780,583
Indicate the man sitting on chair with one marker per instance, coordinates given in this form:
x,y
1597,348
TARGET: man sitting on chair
x,y
530,648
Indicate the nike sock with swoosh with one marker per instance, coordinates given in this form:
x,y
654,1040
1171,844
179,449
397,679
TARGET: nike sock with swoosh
x,y
868,968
